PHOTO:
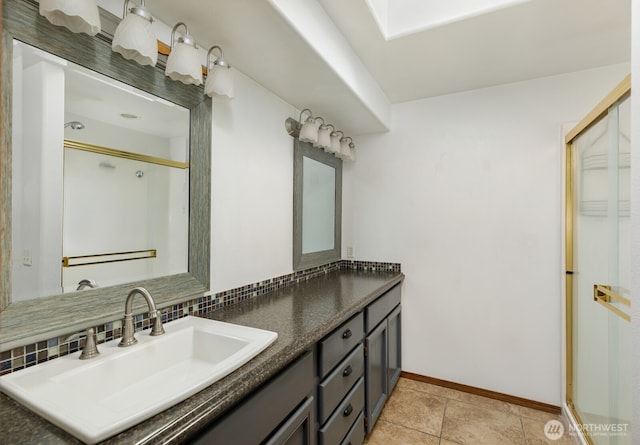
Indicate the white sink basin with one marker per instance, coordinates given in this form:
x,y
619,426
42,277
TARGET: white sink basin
x,y
97,398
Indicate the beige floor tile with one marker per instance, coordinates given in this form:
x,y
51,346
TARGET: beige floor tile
x,y
447,442
474,425
423,387
483,402
534,433
460,396
414,409
386,433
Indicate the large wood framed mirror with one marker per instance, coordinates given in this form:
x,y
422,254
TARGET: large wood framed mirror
x,y
40,318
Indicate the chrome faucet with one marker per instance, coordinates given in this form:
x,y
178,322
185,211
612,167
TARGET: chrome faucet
x,y
86,283
128,337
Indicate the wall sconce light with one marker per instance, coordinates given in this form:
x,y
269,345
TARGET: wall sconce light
x,y
75,15
309,131
183,63
219,78
332,141
134,38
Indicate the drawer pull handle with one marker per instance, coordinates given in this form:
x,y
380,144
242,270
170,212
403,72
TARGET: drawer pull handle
x,y
347,371
347,411
347,333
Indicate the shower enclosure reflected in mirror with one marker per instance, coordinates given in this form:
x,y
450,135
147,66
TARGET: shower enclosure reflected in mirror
x,y
317,206
100,179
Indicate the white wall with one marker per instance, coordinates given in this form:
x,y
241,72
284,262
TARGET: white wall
x,y
635,216
252,187
466,191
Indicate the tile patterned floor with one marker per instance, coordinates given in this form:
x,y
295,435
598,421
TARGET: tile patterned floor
x,y
423,414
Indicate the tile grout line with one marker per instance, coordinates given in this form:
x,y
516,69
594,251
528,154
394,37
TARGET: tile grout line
x,y
406,428
444,413
524,434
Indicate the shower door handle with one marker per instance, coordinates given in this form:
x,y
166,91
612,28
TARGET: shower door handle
x,y
604,295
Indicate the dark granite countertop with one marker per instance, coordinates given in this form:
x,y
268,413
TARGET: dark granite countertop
x,y
301,314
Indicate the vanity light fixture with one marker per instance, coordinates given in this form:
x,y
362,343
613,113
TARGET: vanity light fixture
x,y
183,63
134,38
325,136
219,78
309,131
75,15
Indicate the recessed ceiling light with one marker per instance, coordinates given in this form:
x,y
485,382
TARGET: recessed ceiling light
x,y
129,116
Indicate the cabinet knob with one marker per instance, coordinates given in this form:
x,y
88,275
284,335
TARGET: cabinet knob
x,y
347,333
347,411
347,371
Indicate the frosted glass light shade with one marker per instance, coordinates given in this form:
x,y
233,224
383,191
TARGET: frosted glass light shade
x,y
334,148
344,149
75,15
324,138
309,132
183,64
135,40
219,82
352,152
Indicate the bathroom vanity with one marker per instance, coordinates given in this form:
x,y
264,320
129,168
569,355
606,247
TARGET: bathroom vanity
x,y
315,383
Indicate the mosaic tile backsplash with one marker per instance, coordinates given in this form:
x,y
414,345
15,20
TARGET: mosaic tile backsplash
x,y
32,354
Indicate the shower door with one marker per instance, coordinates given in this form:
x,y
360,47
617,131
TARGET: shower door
x,y
599,273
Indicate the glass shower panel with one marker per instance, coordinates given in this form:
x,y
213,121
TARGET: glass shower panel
x,y
601,346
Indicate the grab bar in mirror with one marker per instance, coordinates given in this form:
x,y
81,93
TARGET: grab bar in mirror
x,y
101,258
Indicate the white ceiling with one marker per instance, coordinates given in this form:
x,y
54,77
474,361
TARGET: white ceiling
x,y
397,18
95,96
527,40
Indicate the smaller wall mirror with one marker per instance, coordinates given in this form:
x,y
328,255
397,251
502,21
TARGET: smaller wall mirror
x,y
317,206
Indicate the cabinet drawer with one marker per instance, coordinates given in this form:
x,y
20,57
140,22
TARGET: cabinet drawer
x,y
344,417
356,435
338,344
335,387
379,309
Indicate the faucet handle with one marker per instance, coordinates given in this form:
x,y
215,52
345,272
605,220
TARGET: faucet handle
x,y
90,349
157,328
